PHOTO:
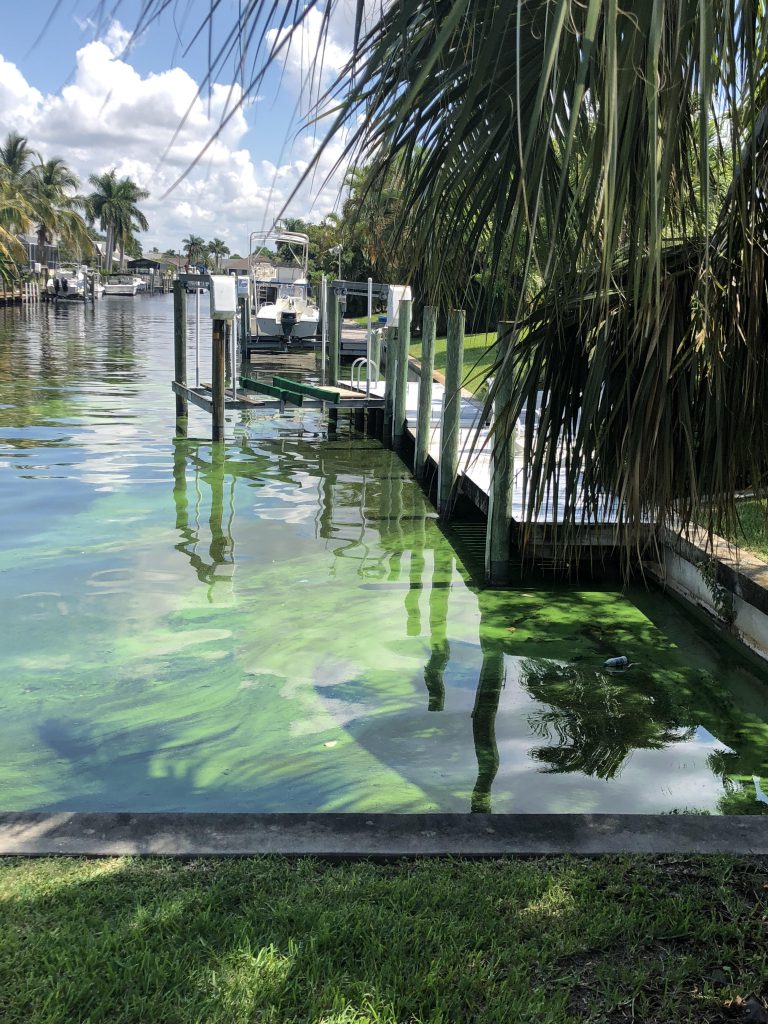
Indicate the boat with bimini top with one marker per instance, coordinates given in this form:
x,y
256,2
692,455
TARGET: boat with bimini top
x,y
287,311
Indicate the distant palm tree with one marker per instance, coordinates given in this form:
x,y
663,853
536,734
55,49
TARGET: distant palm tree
x,y
113,203
16,157
195,248
14,215
57,205
218,249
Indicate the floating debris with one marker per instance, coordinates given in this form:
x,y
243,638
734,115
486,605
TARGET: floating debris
x,y
620,662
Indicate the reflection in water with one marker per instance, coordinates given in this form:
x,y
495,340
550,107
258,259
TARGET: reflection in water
x,y
281,662
596,719
221,550
440,651
589,721
484,725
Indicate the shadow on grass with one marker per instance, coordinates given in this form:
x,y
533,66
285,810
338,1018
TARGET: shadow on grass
x,y
612,939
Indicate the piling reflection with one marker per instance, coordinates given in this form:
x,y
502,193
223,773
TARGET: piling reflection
x,y
484,725
212,482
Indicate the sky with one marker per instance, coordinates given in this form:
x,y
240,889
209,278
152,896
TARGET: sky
x,y
78,86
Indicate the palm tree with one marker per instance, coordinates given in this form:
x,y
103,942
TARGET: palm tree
x,y
57,206
16,156
218,249
568,146
16,167
195,248
113,203
571,145
14,215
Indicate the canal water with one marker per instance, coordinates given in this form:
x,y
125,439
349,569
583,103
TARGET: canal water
x,y
280,624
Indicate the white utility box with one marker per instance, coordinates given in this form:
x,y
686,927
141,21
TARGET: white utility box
x,y
395,294
223,297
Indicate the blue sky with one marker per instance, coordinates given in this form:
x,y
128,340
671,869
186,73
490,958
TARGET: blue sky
x,y
76,93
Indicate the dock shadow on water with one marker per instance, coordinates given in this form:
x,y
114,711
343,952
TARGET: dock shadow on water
x,y
279,623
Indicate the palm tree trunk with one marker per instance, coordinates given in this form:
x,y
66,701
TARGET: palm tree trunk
x,y
110,245
40,254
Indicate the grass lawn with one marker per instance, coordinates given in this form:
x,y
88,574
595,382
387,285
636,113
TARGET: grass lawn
x,y
362,321
753,535
478,357
271,940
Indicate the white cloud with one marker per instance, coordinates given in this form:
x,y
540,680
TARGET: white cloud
x,y
311,62
17,97
112,116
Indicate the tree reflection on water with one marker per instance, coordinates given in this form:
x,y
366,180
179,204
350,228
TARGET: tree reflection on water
x,y
594,720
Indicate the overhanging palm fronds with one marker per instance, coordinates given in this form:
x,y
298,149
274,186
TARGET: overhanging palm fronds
x,y
577,141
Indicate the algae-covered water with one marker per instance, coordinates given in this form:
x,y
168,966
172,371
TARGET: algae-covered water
x,y
279,623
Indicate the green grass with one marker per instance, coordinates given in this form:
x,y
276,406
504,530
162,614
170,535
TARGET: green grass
x,y
753,519
752,533
478,358
271,940
362,321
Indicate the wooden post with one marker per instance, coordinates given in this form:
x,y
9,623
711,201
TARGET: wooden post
x,y
424,417
497,544
180,343
376,353
399,422
448,467
242,303
390,365
334,336
228,368
218,375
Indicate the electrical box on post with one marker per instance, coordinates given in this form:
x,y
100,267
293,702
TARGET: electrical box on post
x,y
396,293
223,297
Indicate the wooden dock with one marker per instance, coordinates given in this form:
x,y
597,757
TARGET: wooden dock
x,y
258,395
22,292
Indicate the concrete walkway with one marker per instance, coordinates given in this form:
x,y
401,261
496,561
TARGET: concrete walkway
x,y
378,836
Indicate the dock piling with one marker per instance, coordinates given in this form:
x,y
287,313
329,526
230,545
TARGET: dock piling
x,y
368,340
242,305
376,352
399,422
424,415
180,343
450,432
390,365
334,336
218,377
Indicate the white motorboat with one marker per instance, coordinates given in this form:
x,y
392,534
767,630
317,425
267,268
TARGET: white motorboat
x,y
122,284
68,282
291,314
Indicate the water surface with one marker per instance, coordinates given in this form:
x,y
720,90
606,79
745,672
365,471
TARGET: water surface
x,y
279,623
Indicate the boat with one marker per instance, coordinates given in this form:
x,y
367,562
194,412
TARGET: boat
x,y
123,284
291,314
69,282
